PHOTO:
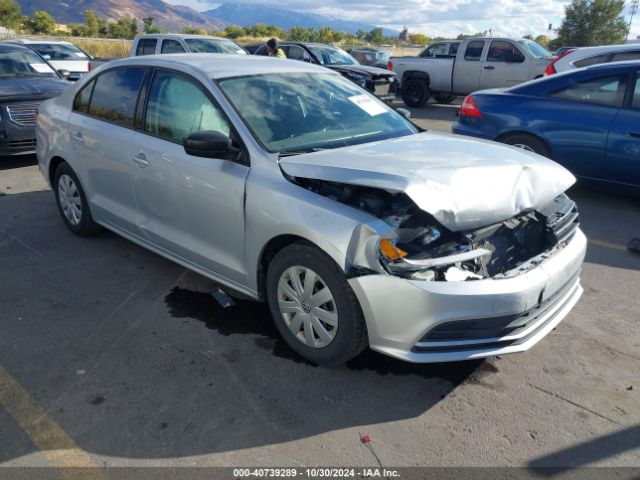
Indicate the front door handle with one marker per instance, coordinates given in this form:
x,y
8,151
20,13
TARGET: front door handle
x,y
490,67
78,138
140,160
635,134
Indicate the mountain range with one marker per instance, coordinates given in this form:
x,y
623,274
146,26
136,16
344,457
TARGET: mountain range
x,y
176,17
166,15
246,14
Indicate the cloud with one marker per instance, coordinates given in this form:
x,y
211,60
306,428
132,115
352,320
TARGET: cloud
x,y
434,17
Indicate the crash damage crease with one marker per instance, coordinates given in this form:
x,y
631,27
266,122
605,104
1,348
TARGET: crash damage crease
x,y
429,242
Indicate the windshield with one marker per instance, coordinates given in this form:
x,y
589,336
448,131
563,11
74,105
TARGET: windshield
x,y
535,49
213,45
303,112
332,56
22,63
59,51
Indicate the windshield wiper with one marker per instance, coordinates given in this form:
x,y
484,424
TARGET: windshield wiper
x,y
290,153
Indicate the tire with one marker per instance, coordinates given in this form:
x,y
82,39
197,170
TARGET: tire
x,y
444,97
294,316
527,142
72,202
415,92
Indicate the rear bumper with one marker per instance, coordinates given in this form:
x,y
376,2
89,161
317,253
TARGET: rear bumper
x,y
421,321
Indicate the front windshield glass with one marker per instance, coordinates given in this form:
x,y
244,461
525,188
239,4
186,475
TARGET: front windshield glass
x,y
303,112
59,51
212,45
332,56
21,63
535,49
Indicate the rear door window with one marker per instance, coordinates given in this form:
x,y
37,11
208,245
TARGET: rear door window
x,y
607,90
146,46
635,102
115,95
298,53
474,51
626,56
453,48
585,62
171,46
501,51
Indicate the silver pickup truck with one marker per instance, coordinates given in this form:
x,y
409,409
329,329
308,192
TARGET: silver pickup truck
x,y
478,64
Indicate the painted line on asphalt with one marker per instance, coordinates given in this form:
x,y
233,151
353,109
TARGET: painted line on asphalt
x,y
604,243
58,447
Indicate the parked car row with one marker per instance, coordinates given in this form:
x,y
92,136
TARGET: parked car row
x,y
357,228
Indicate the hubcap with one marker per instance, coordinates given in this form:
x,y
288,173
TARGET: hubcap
x,y
69,198
307,306
524,147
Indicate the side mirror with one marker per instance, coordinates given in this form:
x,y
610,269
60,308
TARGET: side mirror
x,y
404,112
64,73
210,144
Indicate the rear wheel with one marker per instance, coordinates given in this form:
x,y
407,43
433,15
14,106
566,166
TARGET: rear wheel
x,y
444,97
415,92
527,142
313,307
72,202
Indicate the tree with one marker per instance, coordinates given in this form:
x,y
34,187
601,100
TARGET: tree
x,y
418,39
464,36
149,27
325,35
375,36
300,34
40,23
91,24
10,14
123,28
593,22
234,31
542,40
360,34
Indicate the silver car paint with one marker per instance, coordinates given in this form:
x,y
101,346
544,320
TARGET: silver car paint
x,y
396,310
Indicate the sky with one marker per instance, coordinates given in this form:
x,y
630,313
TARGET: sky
x,y
445,18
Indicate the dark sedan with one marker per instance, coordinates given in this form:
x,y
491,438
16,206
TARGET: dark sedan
x,y
378,81
26,79
587,120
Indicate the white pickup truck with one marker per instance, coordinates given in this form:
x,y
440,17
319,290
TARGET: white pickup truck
x,y
478,64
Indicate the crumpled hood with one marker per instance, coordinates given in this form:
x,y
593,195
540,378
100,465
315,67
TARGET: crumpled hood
x,y
363,69
464,183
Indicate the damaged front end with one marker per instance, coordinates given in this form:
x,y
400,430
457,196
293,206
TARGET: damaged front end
x,y
416,246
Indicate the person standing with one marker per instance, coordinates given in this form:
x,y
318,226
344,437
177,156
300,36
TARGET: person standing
x,y
274,50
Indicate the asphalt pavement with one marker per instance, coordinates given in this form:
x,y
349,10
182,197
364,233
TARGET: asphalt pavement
x,y
113,356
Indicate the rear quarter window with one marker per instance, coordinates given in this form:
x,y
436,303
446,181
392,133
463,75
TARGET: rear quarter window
x,y
146,46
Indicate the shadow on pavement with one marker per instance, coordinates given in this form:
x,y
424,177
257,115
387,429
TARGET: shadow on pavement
x,y
133,358
588,453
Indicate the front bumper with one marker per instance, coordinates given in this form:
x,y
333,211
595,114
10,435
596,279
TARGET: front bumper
x,y
16,139
410,319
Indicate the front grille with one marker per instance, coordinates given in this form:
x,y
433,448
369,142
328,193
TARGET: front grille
x,y
22,144
23,113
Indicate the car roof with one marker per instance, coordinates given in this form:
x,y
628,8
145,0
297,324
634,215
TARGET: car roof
x,y
28,41
13,46
588,51
218,65
177,35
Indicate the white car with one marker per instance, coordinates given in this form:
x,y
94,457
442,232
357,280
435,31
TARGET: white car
x,y
60,55
586,56
293,185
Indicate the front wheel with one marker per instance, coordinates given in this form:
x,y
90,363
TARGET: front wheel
x,y
313,306
415,92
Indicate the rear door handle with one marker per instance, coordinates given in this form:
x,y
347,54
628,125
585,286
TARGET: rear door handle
x,y
78,138
635,134
140,160
490,67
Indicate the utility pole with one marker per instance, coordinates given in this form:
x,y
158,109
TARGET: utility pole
x,y
634,9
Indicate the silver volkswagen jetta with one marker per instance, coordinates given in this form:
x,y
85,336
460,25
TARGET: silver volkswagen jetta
x,y
290,184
